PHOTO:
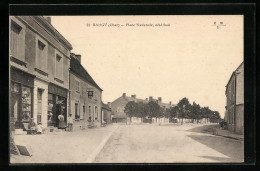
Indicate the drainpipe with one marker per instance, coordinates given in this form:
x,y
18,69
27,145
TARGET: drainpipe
x,y
235,102
69,96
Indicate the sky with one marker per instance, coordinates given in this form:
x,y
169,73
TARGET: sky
x,y
187,56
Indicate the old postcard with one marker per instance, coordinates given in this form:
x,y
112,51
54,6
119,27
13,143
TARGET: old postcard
x,y
126,89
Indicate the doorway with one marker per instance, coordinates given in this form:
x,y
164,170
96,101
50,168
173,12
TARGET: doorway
x,y
39,105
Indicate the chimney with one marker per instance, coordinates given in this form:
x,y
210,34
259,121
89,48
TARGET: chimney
x,y
48,19
170,102
109,104
124,95
78,57
133,96
159,99
150,98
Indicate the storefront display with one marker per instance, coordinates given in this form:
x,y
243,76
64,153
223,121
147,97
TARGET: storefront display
x,y
21,97
57,104
26,104
21,106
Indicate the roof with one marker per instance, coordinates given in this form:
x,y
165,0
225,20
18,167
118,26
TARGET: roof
x,y
167,105
79,70
53,31
105,106
127,98
234,73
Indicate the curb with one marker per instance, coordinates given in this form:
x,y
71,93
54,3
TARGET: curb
x,y
93,155
238,139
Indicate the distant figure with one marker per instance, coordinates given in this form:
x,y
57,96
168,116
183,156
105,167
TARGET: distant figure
x,y
70,123
89,119
39,128
32,126
62,124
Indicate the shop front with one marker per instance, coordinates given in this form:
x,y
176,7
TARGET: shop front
x,y
57,104
21,99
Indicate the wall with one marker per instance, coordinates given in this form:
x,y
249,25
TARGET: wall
x,y
42,85
83,99
120,102
239,128
240,85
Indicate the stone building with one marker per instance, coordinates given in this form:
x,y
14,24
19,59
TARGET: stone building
x,y
39,71
234,114
85,95
106,113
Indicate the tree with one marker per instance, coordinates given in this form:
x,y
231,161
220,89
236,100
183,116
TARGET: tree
x,y
214,116
142,110
154,110
131,109
184,108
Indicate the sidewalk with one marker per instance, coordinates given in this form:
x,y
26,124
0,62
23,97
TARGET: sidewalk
x,y
64,147
228,134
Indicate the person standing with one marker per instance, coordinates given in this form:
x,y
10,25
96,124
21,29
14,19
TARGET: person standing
x,y
61,122
70,123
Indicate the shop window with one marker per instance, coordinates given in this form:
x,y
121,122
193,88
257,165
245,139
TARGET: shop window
x,y
15,100
41,55
26,104
17,41
58,66
51,110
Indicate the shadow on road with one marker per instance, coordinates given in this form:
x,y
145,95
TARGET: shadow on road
x,y
204,129
221,159
233,149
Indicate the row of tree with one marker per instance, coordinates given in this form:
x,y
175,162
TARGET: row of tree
x,y
182,110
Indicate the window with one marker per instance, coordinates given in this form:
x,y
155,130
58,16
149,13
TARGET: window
x,y
84,111
17,41
96,113
41,54
76,111
59,66
77,86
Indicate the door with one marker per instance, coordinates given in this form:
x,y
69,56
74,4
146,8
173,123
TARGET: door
x,y
39,105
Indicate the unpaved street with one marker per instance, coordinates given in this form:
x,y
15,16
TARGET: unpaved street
x,y
153,143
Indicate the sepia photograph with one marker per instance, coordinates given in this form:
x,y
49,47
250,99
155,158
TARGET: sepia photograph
x,y
126,89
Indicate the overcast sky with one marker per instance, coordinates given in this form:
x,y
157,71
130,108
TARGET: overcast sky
x,y
190,58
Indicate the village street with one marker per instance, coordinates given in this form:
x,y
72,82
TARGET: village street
x,y
171,144
118,143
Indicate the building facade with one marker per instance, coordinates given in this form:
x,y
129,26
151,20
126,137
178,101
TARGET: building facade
x,y
106,113
234,114
85,95
39,71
